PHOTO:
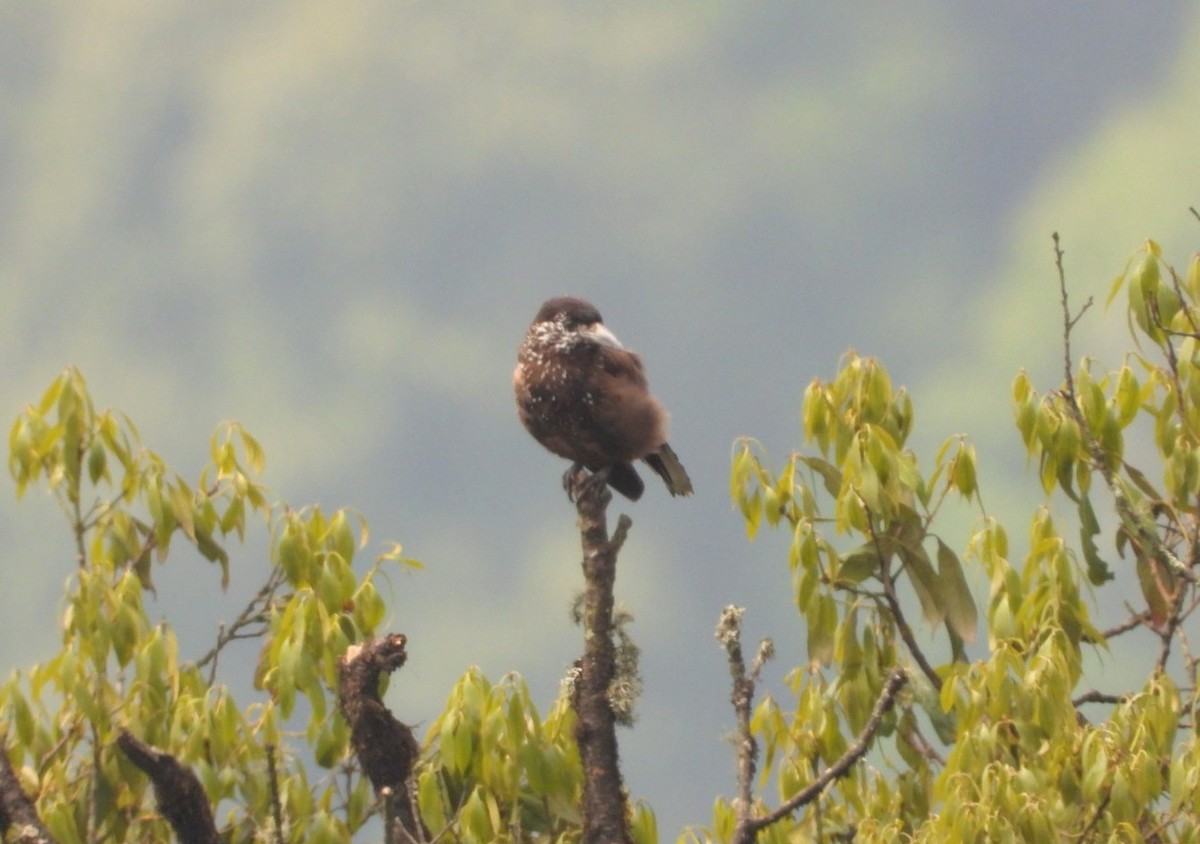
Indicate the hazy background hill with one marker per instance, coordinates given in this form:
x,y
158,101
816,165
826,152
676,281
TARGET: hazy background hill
x,y
333,222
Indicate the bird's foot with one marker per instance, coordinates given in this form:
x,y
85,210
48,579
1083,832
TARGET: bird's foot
x,y
578,481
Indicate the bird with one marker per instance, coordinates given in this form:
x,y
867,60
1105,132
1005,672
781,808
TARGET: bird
x,y
584,396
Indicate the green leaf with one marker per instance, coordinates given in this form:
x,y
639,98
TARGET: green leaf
x,y
752,511
474,817
255,455
59,819
771,505
821,628
1128,398
859,564
342,536
330,745
906,738
829,474
1117,284
292,553
1139,480
1157,583
214,553
644,825
1027,414
183,508
924,580
724,820
429,801
961,614
96,462
1098,570
963,471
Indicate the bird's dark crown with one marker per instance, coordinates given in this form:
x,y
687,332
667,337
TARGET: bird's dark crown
x,y
571,311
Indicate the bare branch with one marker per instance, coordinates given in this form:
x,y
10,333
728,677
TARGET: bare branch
x,y
1135,620
841,767
1095,696
918,742
1068,322
729,634
255,613
1174,619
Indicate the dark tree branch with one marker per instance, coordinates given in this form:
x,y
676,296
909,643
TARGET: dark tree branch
x,y
918,742
18,818
386,748
1135,620
605,815
1167,634
1096,696
181,798
887,698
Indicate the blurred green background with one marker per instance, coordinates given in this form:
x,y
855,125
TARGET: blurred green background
x,y
333,221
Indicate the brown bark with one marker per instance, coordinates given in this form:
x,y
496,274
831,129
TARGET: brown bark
x,y
604,811
18,817
181,798
386,748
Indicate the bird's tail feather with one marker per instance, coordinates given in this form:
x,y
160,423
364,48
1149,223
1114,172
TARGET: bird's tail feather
x,y
668,467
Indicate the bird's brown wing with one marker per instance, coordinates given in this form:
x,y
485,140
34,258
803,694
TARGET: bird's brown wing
x,y
623,365
629,421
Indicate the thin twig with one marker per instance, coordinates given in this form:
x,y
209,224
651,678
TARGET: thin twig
x,y
1136,620
1129,519
729,634
1096,696
273,787
918,742
1069,323
1174,619
893,602
255,612
93,809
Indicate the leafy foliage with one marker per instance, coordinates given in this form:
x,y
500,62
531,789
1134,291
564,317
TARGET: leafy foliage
x,y
996,747
976,737
493,767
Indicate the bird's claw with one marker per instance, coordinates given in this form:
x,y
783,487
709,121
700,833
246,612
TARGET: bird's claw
x,y
578,481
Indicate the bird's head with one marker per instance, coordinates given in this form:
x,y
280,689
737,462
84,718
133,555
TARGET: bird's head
x,y
567,321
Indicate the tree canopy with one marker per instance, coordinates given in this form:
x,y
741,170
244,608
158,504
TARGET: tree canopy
x,y
925,712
